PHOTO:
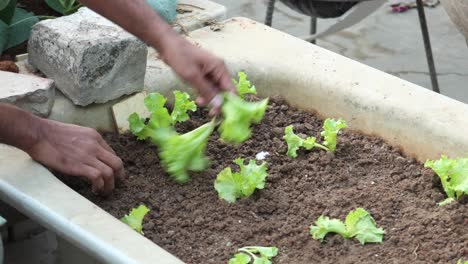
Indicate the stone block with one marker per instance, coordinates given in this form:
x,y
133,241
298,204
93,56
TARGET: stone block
x,y
91,59
34,94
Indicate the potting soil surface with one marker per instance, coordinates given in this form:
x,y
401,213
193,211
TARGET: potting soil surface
x,y
191,222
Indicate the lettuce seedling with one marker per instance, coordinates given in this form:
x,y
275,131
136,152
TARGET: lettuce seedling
x,y
244,86
238,116
331,127
182,105
186,152
460,261
231,186
295,142
259,255
453,174
135,218
358,224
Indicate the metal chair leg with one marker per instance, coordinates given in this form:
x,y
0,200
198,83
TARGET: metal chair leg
x,y
313,28
427,46
269,14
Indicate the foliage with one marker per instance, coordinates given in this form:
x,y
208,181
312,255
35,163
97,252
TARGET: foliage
x,y
453,174
358,224
135,218
295,142
186,152
244,86
238,116
15,24
178,153
331,127
259,255
460,261
231,186
64,7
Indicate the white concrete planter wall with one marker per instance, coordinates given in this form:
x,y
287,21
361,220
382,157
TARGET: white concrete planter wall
x,y
423,123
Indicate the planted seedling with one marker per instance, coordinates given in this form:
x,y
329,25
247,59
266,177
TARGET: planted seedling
x,y
135,218
238,116
295,142
231,186
179,153
331,127
359,224
453,174
243,85
259,255
460,261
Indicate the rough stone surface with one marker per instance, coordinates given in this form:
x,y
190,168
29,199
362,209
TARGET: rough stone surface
x,y
91,59
31,93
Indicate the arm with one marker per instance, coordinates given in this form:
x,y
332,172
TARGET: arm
x,y
55,144
205,72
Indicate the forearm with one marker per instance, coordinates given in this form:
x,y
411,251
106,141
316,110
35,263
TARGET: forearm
x,y
17,127
138,18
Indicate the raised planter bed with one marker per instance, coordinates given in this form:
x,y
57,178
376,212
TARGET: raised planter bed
x,y
423,124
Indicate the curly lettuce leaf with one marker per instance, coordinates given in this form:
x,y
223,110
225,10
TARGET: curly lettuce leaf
x,y
244,86
186,152
360,224
135,218
295,142
331,127
182,105
238,116
453,174
324,225
231,186
460,261
260,255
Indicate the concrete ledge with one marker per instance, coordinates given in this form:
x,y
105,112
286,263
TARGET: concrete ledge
x,y
33,94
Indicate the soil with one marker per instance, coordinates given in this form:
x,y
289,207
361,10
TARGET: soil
x,y
38,7
192,223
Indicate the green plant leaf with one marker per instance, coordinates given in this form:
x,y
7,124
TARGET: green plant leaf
x,y
238,116
295,142
324,225
453,174
56,5
360,224
243,85
331,127
135,218
3,36
3,4
186,152
182,104
446,201
231,186
8,11
240,258
20,27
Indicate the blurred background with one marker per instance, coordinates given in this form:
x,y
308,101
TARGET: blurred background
x,y
389,41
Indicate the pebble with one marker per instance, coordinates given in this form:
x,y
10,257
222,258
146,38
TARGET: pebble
x,y
284,108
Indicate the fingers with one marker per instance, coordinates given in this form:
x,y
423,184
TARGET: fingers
x,y
102,178
94,177
114,162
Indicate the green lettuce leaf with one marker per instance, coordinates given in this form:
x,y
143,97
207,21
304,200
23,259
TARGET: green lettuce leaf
x,y
186,152
460,261
360,224
244,86
135,218
453,174
295,142
238,116
260,255
182,105
331,127
325,225
231,186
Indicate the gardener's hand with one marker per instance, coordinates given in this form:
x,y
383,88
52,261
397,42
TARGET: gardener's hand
x,y
202,70
77,151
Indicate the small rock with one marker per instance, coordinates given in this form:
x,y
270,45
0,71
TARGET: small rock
x,y
284,108
278,131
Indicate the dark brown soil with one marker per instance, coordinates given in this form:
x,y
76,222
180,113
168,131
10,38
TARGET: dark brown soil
x,y
193,224
38,7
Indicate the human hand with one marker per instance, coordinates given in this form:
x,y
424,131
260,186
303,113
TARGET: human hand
x,y
77,151
202,70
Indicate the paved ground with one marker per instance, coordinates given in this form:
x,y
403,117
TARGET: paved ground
x,y
387,41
